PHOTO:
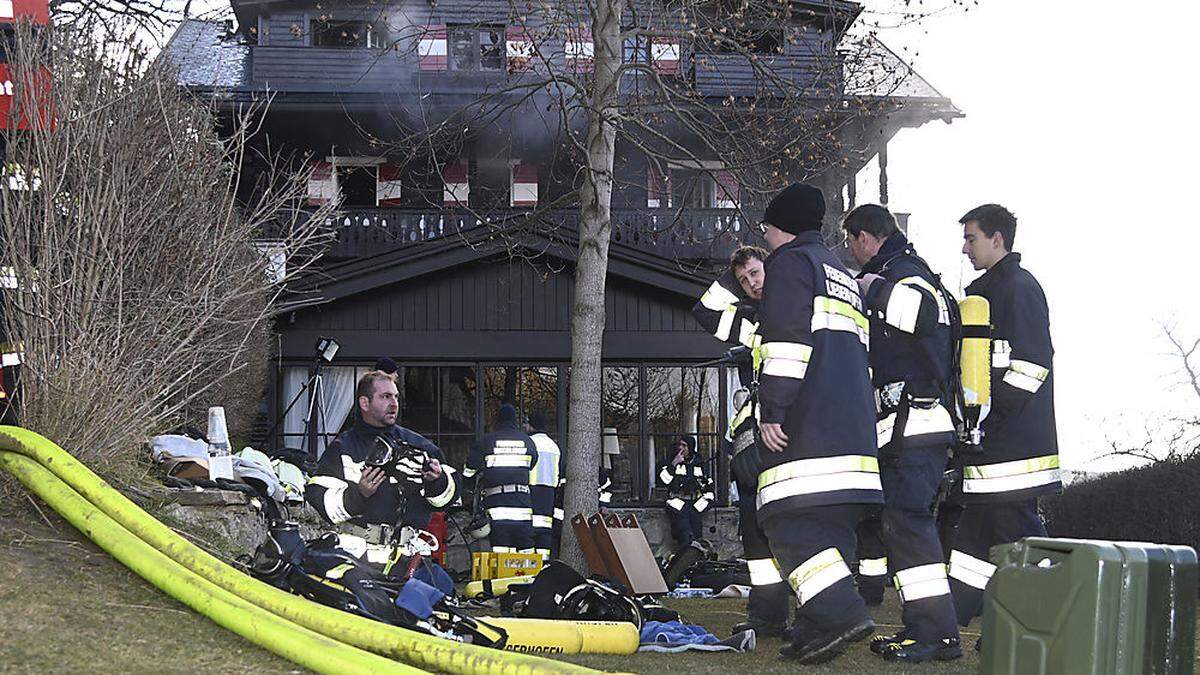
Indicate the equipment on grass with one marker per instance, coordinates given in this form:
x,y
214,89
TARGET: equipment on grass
x,y
320,571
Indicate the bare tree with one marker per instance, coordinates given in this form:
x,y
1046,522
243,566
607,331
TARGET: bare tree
x,y
141,291
1172,435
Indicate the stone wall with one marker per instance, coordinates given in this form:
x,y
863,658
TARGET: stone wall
x,y
231,517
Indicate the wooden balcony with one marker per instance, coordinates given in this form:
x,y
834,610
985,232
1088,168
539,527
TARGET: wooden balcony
x,y
694,235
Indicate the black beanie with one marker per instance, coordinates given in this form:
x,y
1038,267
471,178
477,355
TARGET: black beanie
x,y
387,365
690,441
507,415
798,208
538,421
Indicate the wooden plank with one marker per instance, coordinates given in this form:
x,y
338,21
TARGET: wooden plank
x,y
608,551
587,542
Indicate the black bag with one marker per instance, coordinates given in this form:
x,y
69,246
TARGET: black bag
x,y
559,592
718,574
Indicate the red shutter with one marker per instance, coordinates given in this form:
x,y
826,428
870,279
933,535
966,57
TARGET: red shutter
x,y
664,54
387,185
322,183
518,49
728,190
524,188
580,50
456,185
432,48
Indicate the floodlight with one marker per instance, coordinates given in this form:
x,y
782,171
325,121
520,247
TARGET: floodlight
x,y
327,348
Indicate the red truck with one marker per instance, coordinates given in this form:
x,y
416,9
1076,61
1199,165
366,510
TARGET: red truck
x,y
36,12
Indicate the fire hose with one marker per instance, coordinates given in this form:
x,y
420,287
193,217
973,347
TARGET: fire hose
x,y
243,603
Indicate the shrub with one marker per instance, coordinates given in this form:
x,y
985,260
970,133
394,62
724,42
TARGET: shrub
x,y
1155,503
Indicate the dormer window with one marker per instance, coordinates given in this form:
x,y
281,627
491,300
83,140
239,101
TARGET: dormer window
x,y
342,33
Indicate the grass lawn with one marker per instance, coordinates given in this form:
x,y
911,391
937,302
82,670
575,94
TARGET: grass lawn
x,y
67,606
718,616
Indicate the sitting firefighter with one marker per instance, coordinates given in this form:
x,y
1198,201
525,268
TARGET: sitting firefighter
x,y
689,491
500,463
377,477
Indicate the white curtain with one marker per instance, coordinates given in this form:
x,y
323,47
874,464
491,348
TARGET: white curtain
x,y
337,400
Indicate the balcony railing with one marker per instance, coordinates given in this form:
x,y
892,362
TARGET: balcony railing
x,y
684,234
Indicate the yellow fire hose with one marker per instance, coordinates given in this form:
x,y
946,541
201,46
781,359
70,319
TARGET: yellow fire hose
x,y
292,642
410,646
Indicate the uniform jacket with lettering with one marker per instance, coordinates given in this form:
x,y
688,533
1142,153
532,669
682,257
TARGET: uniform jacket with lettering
x,y
814,381
503,457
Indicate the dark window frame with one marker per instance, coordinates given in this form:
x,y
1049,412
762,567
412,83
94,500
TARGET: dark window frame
x,y
475,48
320,27
642,490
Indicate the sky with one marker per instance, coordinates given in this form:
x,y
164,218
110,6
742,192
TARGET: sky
x,y
1080,119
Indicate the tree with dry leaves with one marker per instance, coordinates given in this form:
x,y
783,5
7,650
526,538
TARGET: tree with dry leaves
x,y
142,289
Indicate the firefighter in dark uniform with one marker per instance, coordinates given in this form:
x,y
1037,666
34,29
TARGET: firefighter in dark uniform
x,y
1019,458
367,502
689,491
500,463
544,480
911,355
728,310
817,422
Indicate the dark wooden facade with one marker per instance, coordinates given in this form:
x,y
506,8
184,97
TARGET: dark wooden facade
x,y
473,299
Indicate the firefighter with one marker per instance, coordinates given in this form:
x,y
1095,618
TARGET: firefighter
x,y
1019,458
911,356
501,462
367,502
817,422
544,479
689,491
728,310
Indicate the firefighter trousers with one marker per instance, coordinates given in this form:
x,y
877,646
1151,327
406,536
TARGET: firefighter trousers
x,y
768,601
542,499
872,571
511,516
815,547
982,526
686,524
911,479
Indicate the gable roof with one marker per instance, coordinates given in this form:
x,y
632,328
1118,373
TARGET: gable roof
x,y
206,58
880,72
365,274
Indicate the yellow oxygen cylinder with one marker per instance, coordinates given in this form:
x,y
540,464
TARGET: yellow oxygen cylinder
x,y
975,363
546,636
485,587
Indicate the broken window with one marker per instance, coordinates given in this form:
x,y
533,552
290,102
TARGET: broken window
x,y
339,33
476,47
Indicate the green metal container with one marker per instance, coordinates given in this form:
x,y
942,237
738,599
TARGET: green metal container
x,y
1067,606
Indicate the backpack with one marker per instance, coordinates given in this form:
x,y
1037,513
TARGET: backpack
x,y
559,592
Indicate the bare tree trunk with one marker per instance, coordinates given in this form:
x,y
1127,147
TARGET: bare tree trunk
x,y
587,315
